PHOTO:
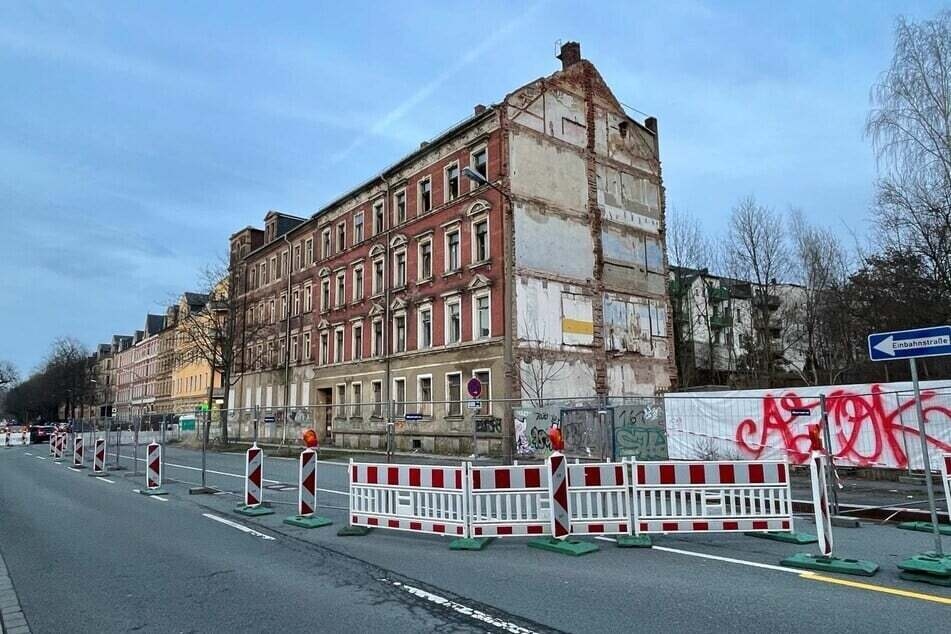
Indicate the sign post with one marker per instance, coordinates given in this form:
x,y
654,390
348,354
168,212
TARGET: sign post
x,y
913,344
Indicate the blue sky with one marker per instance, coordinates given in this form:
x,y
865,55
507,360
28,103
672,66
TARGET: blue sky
x,y
136,137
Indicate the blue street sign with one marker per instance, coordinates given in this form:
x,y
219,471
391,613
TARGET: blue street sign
x,y
910,344
414,417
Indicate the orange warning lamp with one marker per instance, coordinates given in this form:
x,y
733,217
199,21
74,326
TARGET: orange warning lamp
x,y
310,438
815,438
554,435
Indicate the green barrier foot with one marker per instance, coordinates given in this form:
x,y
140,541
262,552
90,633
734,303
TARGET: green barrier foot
x,y
469,543
254,511
571,547
312,521
158,491
202,491
634,541
860,567
927,567
353,531
925,527
788,538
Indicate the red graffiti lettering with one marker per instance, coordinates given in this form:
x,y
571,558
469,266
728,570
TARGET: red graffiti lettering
x,y
867,429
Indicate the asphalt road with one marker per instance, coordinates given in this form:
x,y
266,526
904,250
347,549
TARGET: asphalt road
x,y
117,561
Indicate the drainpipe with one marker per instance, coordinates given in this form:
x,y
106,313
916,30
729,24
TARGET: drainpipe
x,y
387,374
287,335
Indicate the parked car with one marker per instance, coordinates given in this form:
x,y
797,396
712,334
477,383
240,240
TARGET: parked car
x,y
40,433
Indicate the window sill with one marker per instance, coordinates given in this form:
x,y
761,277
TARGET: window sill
x,y
480,264
452,272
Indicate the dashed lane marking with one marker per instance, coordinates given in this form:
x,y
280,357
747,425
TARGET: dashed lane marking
x,y
40,457
240,527
106,480
477,615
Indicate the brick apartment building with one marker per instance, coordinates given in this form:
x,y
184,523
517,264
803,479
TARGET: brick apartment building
x,y
548,260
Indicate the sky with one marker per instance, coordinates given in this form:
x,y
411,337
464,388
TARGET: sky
x,y
136,137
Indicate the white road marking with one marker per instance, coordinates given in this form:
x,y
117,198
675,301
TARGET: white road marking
x,y
75,469
105,480
729,560
28,453
478,615
40,457
158,497
224,473
240,527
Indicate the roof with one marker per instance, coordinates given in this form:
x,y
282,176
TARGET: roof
x,y
154,323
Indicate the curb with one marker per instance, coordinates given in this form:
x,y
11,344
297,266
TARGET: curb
x,y
12,620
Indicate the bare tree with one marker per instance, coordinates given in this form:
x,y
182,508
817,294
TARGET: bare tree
x,y
8,374
229,336
910,128
539,364
759,253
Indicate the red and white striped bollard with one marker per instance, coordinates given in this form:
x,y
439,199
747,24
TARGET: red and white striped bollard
x,y
99,458
153,470
253,480
78,457
307,493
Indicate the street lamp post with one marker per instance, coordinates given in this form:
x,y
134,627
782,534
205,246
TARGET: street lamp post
x,y
508,269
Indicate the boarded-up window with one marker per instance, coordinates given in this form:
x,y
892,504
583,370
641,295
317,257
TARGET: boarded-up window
x,y
577,325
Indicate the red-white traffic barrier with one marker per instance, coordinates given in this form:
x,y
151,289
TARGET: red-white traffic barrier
x,y
60,447
52,443
307,490
509,501
4,438
99,457
946,478
153,467
78,457
417,498
253,476
600,499
820,501
25,437
558,495
692,497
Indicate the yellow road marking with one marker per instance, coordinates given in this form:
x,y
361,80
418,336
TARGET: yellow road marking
x,y
877,588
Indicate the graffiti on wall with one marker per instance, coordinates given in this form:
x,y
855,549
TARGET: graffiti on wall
x,y
531,430
870,424
639,432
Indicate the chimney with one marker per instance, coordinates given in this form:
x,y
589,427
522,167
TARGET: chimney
x,y
570,54
479,109
651,124
423,145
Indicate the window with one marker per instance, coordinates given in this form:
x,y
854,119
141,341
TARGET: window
x,y
294,353
338,345
308,297
377,217
271,313
425,196
341,400
425,335
309,251
358,282
399,204
378,278
356,399
306,345
452,182
452,250
399,333
341,236
357,330
274,270
424,394
484,377
358,227
454,394
377,388
283,269
425,259
250,318
479,161
297,260
480,240
324,294
282,351
399,395
481,317
340,292
399,268
453,321
295,302
377,337
325,244
324,348
264,273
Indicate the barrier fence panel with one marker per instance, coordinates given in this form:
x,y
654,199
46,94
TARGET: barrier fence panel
x,y
509,501
946,479
600,499
418,498
685,497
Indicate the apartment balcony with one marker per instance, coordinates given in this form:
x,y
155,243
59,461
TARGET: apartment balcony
x,y
677,288
721,321
718,293
772,302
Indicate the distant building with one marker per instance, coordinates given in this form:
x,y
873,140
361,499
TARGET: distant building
x,y
399,290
